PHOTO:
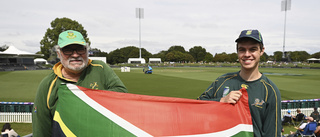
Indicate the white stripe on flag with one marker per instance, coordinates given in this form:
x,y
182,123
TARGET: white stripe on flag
x,y
115,118
224,133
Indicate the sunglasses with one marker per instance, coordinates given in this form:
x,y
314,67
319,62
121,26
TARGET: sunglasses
x,y
69,51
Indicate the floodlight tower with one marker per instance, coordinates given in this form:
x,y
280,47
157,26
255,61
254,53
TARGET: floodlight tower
x,y
285,5
139,14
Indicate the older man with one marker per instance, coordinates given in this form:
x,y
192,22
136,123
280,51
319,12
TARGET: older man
x,y
75,67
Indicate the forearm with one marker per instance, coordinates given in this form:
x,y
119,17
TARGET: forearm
x,y
114,83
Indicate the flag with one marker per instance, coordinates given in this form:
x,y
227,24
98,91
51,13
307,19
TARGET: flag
x,y
87,112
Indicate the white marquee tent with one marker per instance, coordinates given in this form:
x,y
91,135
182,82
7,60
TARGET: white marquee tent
x,y
14,51
315,60
15,56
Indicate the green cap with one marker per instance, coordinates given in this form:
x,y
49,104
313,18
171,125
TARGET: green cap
x,y
71,37
254,34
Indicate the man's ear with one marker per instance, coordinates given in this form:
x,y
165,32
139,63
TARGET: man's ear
x,y
262,51
58,55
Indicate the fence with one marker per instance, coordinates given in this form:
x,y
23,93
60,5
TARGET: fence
x,y
305,111
16,106
19,112
294,104
17,117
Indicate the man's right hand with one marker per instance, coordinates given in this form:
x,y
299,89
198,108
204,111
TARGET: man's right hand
x,y
233,97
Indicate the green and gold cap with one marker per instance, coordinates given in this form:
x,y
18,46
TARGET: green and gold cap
x,y
254,34
71,37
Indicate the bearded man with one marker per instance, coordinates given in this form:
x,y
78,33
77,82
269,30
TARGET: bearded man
x,y
74,67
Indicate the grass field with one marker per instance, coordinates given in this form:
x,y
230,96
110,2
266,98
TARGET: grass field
x,y
183,82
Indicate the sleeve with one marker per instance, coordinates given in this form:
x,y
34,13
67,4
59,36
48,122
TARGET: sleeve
x,y
41,116
303,125
113,82
272,118
13,133
209,94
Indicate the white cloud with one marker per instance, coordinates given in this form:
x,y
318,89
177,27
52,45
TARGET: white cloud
x,y
211,24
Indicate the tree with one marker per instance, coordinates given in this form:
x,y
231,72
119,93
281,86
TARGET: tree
x,y
299,56
122,55
294,56
316,55
188,57
130,52
95,52
277,55
145,54
222,57
170,56
50,38
208,57
233,57
116,56
175,56
4,47
198,53
264,57
177,48
161,54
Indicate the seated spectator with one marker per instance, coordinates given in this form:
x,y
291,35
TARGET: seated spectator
x,y
299,117
302,129
287,118
315,114
8,130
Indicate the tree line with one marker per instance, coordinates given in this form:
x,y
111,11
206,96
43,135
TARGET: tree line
x,y
175,53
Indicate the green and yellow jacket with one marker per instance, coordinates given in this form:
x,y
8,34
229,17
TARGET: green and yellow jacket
x,y
264,101
97,75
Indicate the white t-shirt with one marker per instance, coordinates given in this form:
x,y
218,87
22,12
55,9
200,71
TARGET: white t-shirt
x,y
11,133
303,125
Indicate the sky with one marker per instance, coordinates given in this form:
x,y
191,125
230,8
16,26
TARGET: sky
x,y
212,24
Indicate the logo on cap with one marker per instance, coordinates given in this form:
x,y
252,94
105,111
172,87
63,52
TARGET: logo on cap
x,y
71,35
244,86
249,32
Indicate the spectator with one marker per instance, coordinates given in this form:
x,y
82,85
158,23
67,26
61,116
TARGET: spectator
x,y
315,114
264,96
299,117
6,129
287,118
288,114
301,128
75,67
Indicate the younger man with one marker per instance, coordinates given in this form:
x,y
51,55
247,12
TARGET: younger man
x,y
264,96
